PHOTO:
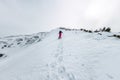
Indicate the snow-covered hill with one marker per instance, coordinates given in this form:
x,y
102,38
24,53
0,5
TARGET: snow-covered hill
x,y
14,42
77,56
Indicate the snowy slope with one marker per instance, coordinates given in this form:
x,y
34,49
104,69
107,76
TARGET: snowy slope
x,y
21,40
10,44
77,56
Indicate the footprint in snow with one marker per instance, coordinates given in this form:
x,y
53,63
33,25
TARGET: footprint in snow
x,y
53,65
61,70
71,76
64,75
60,59
57,54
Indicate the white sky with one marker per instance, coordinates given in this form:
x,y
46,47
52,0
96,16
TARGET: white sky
x,y
32,16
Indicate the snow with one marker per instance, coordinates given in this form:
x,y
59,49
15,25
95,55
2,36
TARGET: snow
x,y
77,56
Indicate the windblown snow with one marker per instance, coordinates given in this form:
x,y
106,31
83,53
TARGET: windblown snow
x,y
77,56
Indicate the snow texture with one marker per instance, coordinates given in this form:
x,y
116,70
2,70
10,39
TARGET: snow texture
x,y
77,56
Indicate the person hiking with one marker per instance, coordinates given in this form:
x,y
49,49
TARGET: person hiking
x,y
60,34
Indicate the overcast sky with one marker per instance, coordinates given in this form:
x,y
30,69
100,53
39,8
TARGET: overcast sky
x,y
32,16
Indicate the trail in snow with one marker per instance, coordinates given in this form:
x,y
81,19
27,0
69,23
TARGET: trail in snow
x,y
57,69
